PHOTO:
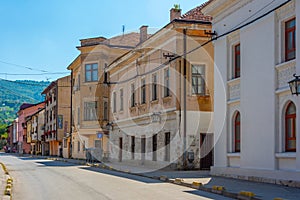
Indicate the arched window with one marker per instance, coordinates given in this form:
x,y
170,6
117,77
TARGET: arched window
x,y
237,132
290,128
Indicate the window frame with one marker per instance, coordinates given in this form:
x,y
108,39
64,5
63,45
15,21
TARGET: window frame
x,y
167,82
202,84
114,102
132,88
292,117
286,39
236,55
121,99
91,72
88,111
237,124
154,87
143,91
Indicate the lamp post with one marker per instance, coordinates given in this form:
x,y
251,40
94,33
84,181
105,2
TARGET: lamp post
x,y
295,85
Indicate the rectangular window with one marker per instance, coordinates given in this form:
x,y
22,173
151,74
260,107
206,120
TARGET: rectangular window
x,y
91,72
198,79
167,82
132,147
143,91
121,100
132,95
78,116
237,61
78,146
154,87
98,144
105,109
114,102
290,39
90,111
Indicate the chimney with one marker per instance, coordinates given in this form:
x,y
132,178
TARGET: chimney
x,y
175,13
143,33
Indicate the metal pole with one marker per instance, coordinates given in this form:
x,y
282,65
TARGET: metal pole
x,y
184,98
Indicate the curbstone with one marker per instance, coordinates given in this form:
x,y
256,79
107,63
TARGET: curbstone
x,y
245,195
218,189
196,185
178,181
163,178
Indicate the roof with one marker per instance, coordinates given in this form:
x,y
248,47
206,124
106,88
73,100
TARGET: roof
x,y
197,14
128,40
28,105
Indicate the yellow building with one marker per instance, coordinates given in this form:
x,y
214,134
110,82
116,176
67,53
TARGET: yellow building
x,y
57,115
157,119
90,97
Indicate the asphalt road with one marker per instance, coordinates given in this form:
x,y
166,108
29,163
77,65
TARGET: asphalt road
x,y
38,179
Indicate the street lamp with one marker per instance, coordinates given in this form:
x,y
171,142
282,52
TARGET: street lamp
x,y
295,85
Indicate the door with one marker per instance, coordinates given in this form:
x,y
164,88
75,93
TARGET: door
x,y
206,151
143,149
167,146
154,147
120,149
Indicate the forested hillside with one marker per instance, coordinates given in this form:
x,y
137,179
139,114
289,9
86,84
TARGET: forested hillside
x,y
14,93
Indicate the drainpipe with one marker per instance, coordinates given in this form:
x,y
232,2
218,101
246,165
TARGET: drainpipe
x,y
71,115
184,98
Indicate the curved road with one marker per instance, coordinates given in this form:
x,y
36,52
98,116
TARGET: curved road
x,y
39,179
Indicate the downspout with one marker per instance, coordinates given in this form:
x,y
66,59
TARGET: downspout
x,y
184,98
71,115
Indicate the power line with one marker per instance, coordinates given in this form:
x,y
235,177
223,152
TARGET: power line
x,y
22,66
46,73
204,44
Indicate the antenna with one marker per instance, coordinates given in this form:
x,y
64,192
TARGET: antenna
x,y
123,29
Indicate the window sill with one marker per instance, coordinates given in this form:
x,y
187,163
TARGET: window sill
x,y
232,155
286,155
234,81
167,99
154,101
285,64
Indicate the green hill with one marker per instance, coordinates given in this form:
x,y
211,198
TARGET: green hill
x,y
14,93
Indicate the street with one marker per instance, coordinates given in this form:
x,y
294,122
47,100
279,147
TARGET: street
x,y
36,179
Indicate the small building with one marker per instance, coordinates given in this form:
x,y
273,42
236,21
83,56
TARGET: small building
x,y
90,97
57,115
161,95
25,110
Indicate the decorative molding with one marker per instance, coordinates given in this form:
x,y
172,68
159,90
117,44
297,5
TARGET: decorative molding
x,y
234,89
286,11
285,73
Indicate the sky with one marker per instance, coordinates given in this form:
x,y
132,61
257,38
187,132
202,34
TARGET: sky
x,y
39,38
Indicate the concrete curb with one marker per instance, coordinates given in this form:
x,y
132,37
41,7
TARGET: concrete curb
x,y
9,184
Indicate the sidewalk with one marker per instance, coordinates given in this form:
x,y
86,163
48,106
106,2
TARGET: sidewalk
x,y
232,186
261,190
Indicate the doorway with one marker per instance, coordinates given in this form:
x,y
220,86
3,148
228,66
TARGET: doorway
x,y
206,151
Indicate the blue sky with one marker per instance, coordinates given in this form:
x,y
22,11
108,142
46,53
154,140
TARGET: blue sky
x,y
42,35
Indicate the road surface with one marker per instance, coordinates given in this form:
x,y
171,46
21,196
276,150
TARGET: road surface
x,y
40,179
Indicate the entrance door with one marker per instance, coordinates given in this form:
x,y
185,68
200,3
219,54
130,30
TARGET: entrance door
x,y
206,151
120,148
154,147
143,149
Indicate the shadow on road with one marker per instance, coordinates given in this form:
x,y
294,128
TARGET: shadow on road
x,y
122,175
207,195
51,163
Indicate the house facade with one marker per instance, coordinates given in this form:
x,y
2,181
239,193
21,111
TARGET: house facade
x,y
57,115
90,96
25,111
35,131
256,117
157,118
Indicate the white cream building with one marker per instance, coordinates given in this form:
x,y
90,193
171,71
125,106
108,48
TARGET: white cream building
x,y
256,117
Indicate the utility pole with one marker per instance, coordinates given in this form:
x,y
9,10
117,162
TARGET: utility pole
x,y
184,99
